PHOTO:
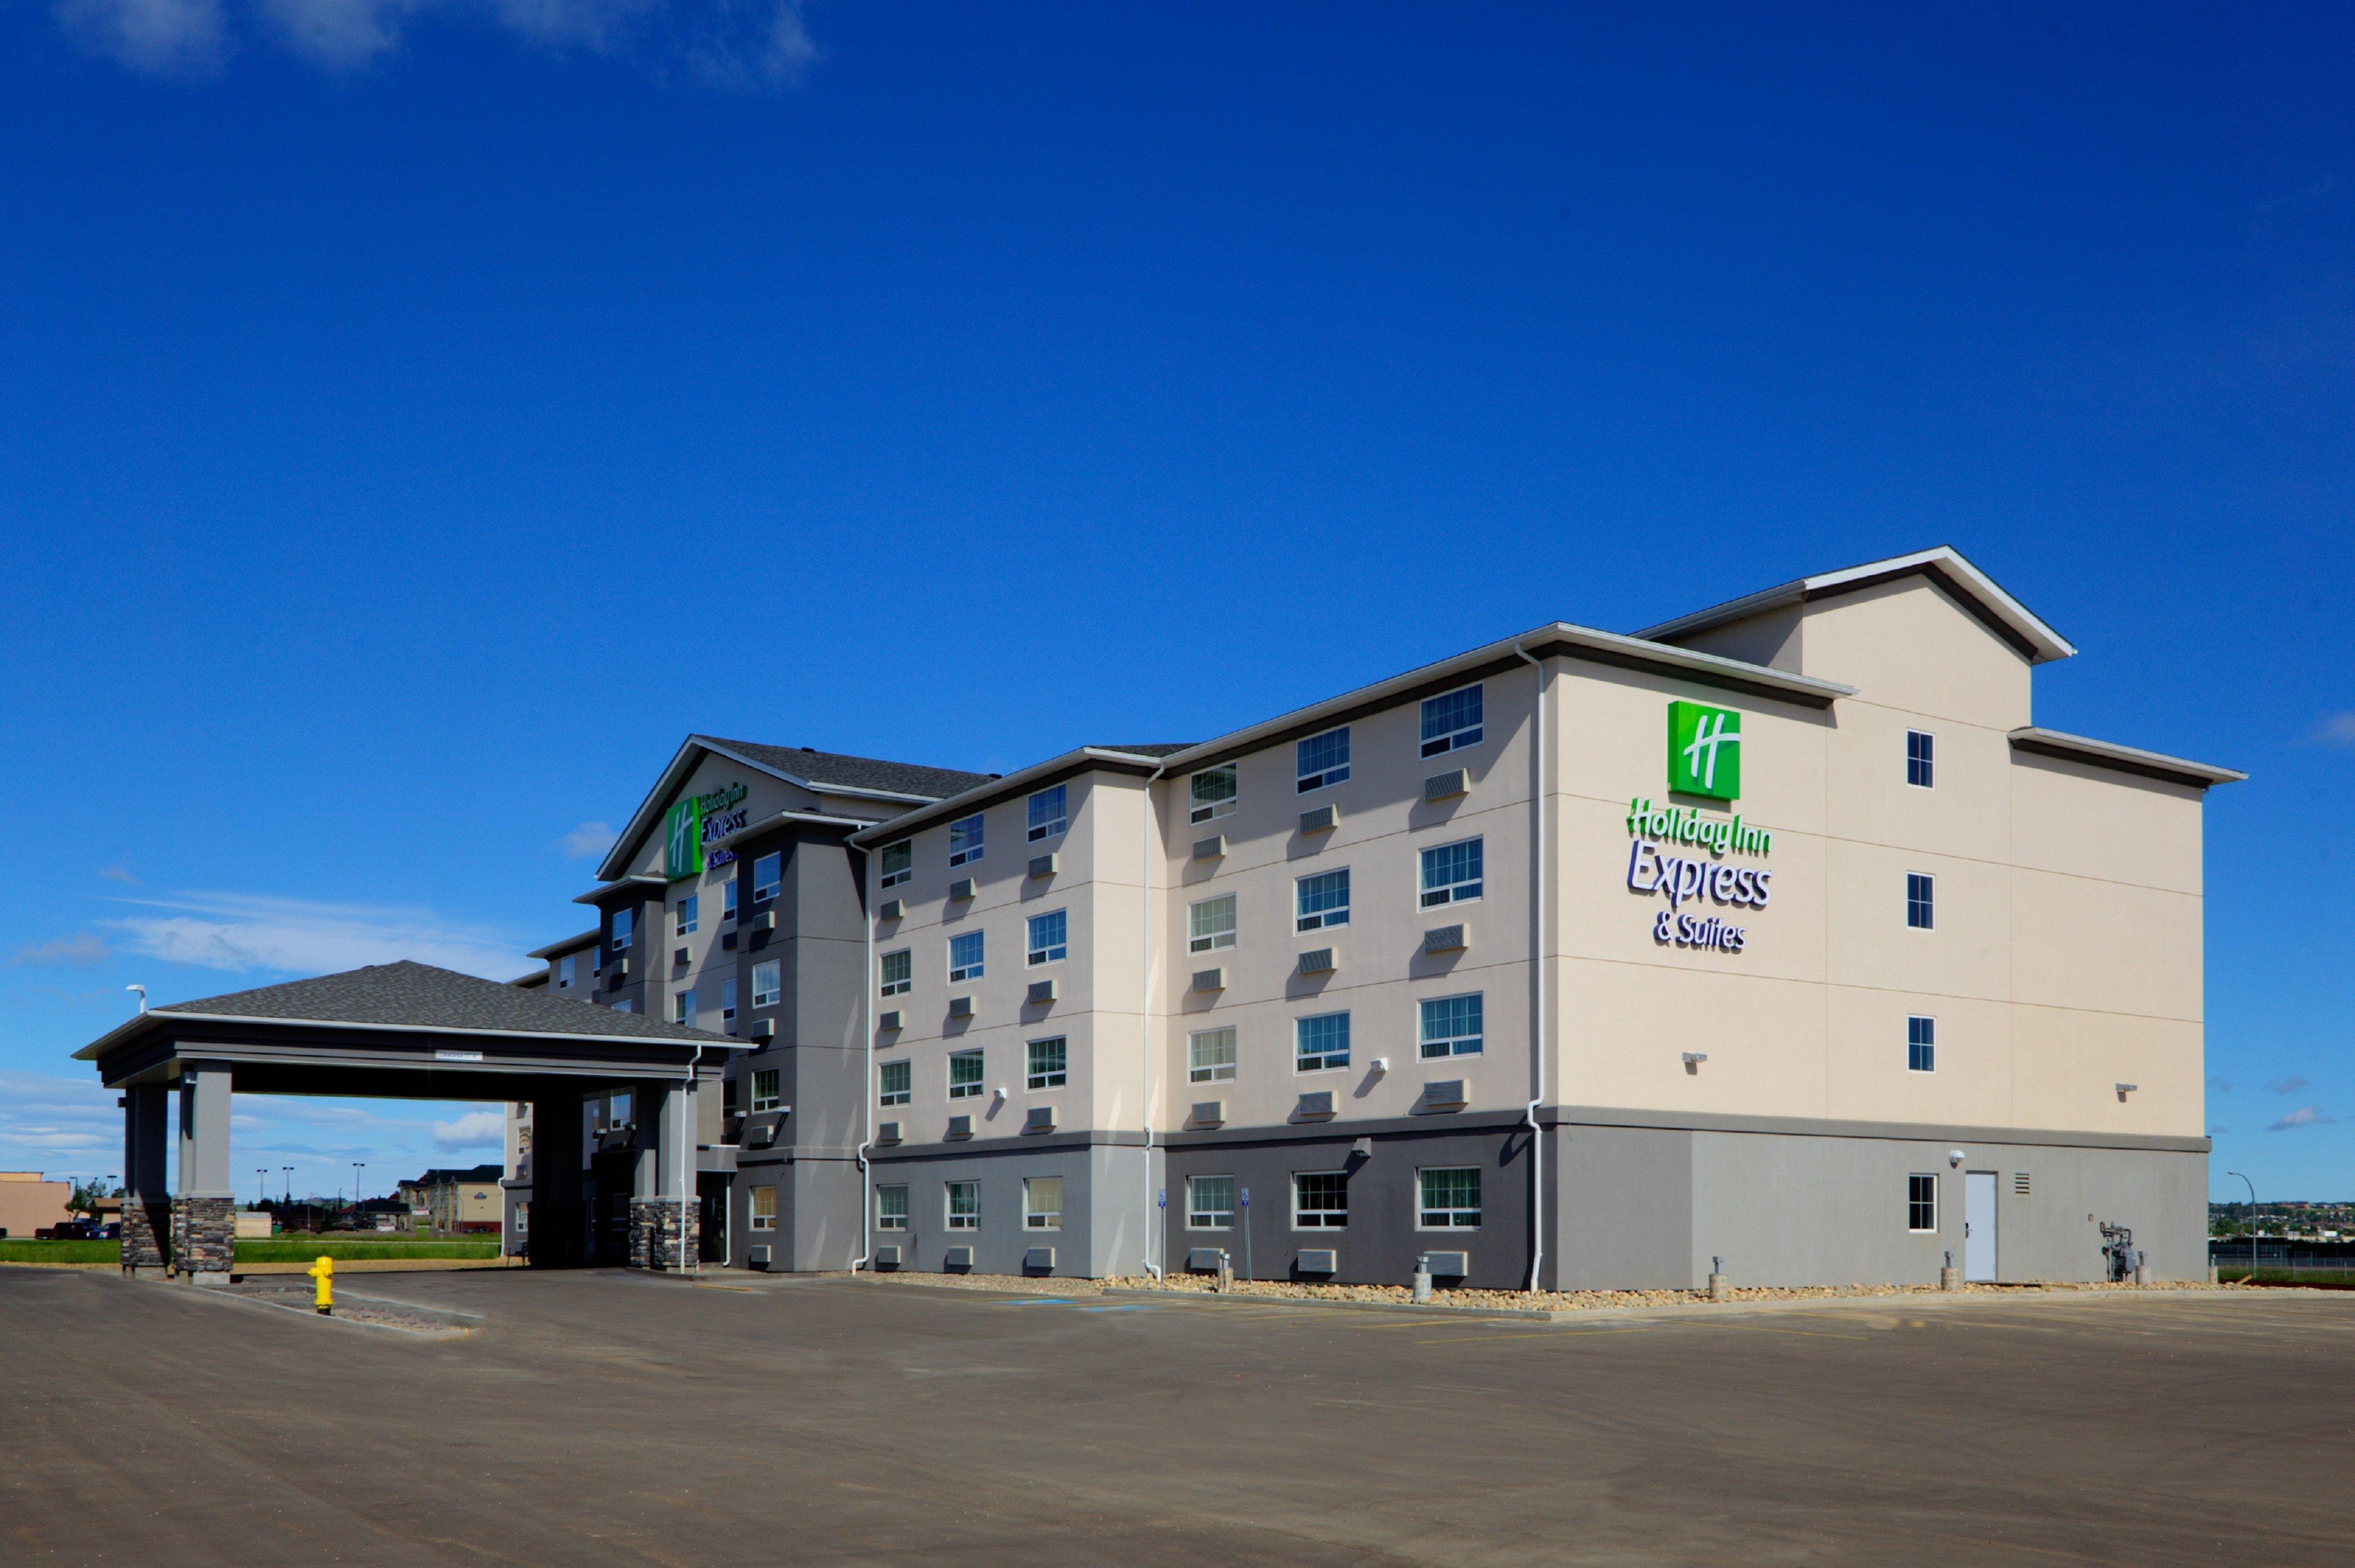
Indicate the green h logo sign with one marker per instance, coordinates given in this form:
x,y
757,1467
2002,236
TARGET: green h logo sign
x,y
1704,751
683,840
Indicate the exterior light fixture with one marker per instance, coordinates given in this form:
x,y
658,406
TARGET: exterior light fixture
x,y
1693,1059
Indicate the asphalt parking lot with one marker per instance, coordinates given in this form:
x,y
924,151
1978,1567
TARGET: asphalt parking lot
x,y
603,1418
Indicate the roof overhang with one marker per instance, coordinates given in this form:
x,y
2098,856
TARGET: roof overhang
x,y
570,945
2122,759
2003,614
1033,777
674,775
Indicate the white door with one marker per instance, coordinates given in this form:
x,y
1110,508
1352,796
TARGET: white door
x,y
1978,1225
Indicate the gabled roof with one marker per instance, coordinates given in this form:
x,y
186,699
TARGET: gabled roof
x,y
570,945
895,783
407,996
2006,617
2124,759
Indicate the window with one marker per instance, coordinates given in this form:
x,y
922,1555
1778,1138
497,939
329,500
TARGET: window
x,y
625,1006
1321,1042
1048,1059
964,956
768,872
623,922
1918,900
964,840
964,1075
1451,1026
767,1089
564,974
1210,1056
1921,1045
1211,792
898,1081
768,983
727,999
899,862
1048,816
899,973
891,1207
1451,873
1210,925
1921,1202
1320,1200
682,1008
764,1208
1918,758
1322,760
1324,900
1451,723
965,1205
1447,1199
727,900
1042,1203
617,1109
1210,1202
1046,935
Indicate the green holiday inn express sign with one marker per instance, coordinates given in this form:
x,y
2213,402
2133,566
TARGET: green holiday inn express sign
x,y
1705,760
694,822
1704,751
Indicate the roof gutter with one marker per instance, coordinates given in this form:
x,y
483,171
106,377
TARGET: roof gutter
x,y
2126,759
1010,784
98,1048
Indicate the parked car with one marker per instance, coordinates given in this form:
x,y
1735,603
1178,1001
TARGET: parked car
x,y
68,1230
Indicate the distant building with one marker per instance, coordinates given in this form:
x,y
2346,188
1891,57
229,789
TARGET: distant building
x,y
457,1203
28,1203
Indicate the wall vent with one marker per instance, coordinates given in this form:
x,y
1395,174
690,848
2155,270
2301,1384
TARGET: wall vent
x,y
1447,785
1317,961
1316,1104
1324,819
1444,939
1211,979
763,1029
757,1256
890,1018
1205,1260
1039,1260
1449,1266
893,909
1041,992
1210,849
1039,1119
960,1006
957,1257
887,1132
678,956
888,1256
1318,1260
1045,865
962,888
1445,1094
961,1127
1209,1113
2020,1182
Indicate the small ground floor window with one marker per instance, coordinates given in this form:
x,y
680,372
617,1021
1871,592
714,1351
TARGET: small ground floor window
x,y
1320,1200
965,1205
891,1207
1921,1202
764,1208
1447,1198
1210,1202
1042,1203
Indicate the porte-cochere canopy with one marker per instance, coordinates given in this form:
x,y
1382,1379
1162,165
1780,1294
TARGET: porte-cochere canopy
x,y
394,1031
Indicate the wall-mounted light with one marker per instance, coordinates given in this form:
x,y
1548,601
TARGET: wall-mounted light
x,y
2124,1090
1956,1156
1381,1064
1693,1059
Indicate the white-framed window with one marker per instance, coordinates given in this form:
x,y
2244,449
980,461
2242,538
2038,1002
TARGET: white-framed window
x,y
1920,769
1042,1203
896,1083
1320,1042
1048,815
1211,793
1210,925
1921,900
1451,721
623,922
1921,1045
727,900
1451,873
1450,1026
625,1006
1921,1201
727,999
1447,1198
1210,1202
1048,932
891,1206
1322,901
897,972
682,1008
689,908
564,972
1321,759
964,956
1049,1063
1210,1056
767,1091
964,1075
899,862
764,1208
618,1108
1320,1200
964,840
768,983
962,1199
768,876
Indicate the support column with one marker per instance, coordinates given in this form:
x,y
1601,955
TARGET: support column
x,y
147,1178
560,1220
203,1210
664,1222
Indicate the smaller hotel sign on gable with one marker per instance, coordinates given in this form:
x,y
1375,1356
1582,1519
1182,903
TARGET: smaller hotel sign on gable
x,y
693,828
1704,751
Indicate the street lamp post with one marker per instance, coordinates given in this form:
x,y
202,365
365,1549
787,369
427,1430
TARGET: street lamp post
x,y
358,1165
261,1185
2253,1225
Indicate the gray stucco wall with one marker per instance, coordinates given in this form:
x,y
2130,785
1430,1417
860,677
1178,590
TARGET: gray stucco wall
x,y
1105,1192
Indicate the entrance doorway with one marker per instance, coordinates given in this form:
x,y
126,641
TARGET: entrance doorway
x,y
1978,1225
711,1195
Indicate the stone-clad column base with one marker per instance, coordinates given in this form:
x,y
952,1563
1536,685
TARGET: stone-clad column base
x,y
143,1248
656,1234
204,1238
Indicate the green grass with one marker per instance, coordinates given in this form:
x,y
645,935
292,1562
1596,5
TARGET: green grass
x,y
15,1250
2228,1273
277,1250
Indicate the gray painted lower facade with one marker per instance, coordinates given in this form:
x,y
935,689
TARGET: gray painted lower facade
x,y
1106,1187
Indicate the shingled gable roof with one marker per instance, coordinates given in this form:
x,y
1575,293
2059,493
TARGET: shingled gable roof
x,y
901,783
414,997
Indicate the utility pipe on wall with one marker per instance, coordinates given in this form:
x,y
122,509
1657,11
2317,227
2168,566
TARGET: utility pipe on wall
x,y
1538,883
1144,1011
866,1087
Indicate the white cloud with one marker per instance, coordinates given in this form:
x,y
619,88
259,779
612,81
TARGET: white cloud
x,y
62,1125
476,1129
2287,1085
2303,1116
589,838
82,950
240,932
119,872
2334,730
157,37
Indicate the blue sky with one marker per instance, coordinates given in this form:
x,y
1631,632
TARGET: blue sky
x,y
415,417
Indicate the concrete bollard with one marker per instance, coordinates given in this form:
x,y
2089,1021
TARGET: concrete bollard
x,y
1950,1278
1226,1277
2142,1272
1423,1277
2212,1274
1718,1289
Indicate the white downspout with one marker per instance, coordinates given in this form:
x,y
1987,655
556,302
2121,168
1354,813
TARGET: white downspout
x,y
1145,1012
1538,1024
688,1119
866,1089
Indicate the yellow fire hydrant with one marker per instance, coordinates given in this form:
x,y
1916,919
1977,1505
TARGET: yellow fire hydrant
x,y
323,1271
